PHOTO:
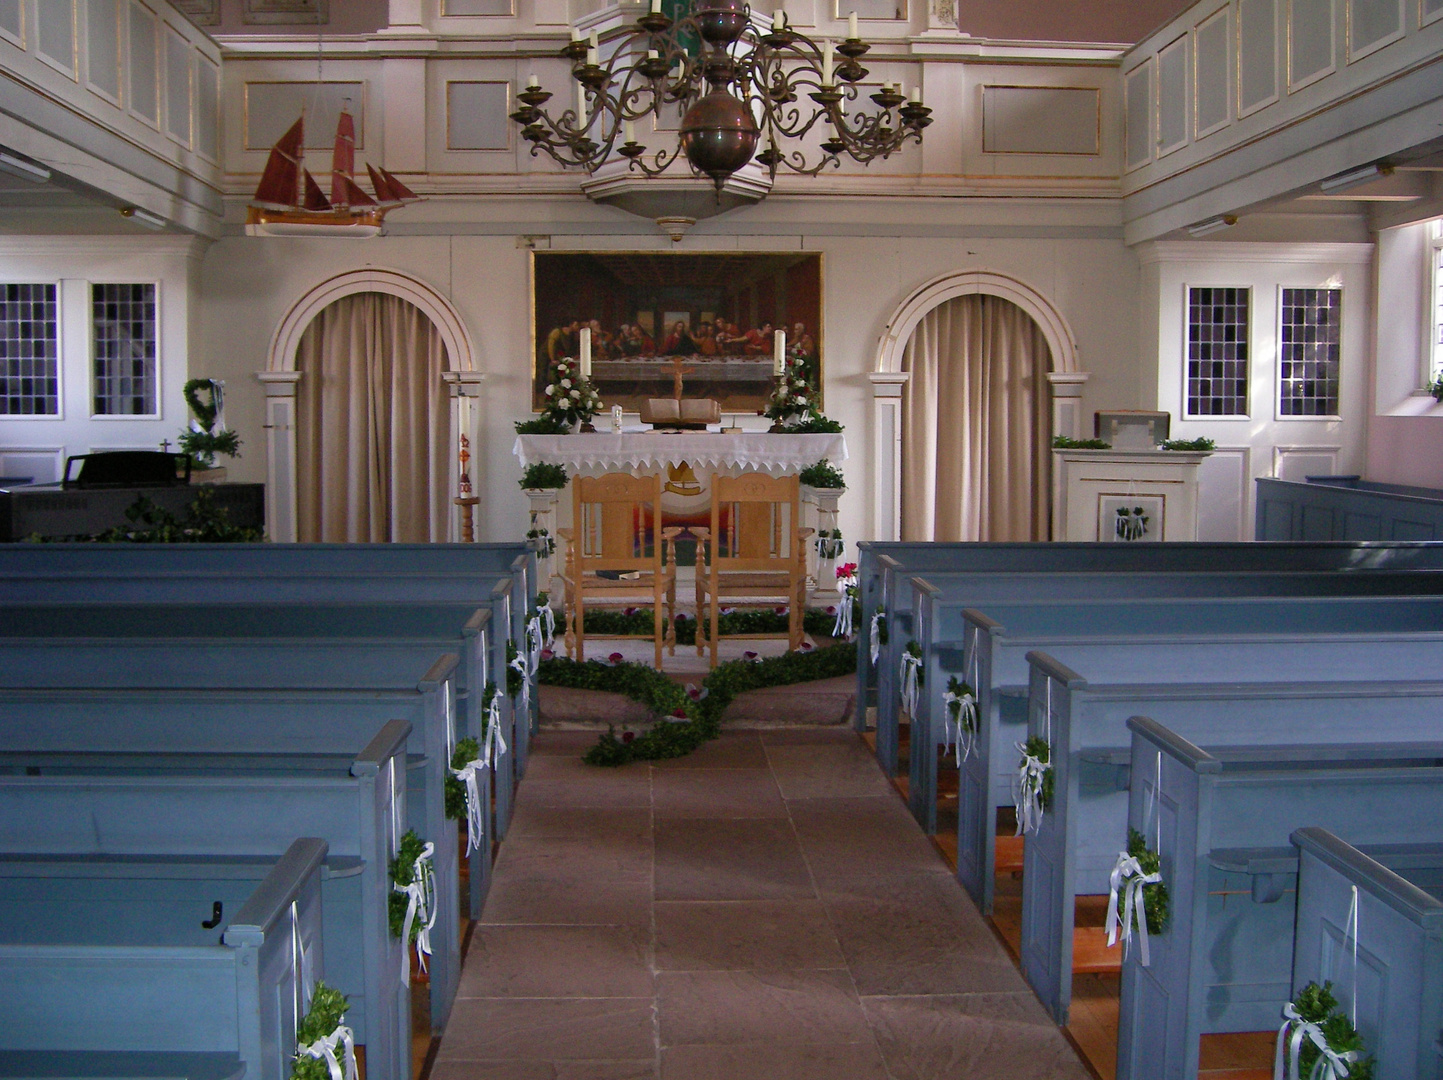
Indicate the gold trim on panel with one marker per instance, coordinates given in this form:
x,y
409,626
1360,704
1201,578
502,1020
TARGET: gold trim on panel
x,y
1321,73
364,84
841,16
1374,46
1197,131
53,62
119,99
508,15
146,11
1097,138
1241,110
510,146
1182,41
1147,67
189,141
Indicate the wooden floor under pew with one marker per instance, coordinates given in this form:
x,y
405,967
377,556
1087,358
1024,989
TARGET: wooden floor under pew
x,y
1096,979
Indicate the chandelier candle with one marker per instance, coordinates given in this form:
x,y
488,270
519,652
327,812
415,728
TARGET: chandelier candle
x,y
743,79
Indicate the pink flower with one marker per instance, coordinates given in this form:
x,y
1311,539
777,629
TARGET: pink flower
x,y
781,610
846,570
727,610
615,658
679,713
832,609
547,654
805,646
752,656
627,736
630,611
696,693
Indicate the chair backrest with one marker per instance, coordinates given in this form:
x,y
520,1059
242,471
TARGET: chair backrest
x,y
754,522
617,522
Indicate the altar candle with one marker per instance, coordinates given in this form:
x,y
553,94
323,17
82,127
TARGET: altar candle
x,y
779,353
628,131
852,25
531,81
827,62
586,352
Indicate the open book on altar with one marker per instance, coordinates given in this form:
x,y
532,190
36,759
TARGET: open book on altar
x,y
686,412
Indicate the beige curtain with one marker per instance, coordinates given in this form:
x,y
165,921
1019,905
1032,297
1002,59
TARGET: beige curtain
x,y
976,420
373,424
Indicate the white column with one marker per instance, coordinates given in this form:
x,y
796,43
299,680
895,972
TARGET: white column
x,y
887,453
543,519
280,387
819,512
1066,420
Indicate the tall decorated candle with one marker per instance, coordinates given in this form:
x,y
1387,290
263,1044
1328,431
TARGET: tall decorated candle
x,y
586,352
827,63
779,353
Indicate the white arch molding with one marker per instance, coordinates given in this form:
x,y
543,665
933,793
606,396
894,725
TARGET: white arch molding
x,y
281,377
888,378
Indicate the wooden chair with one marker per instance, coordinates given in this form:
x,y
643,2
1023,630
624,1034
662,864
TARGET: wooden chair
x,y
756,552
618,555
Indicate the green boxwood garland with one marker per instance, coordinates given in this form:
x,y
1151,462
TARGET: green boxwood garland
x,y
1036,746
467,751
914,648
328,1008
1317,1005
1203,443
513,677
882,628
962,689
637,622
696,719
1063,442
403,872
1155,903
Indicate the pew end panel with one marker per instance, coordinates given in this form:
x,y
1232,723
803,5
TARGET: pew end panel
x,y
976,817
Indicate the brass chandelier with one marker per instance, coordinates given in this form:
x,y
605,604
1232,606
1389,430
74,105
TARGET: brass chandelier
x,y
734,85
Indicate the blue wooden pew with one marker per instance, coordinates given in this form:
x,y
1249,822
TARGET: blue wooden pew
x,y
926,558
1398,979
1224,961
1115,644
205,808
1346,508
987,590
317,721
1074,850
259,663
103,960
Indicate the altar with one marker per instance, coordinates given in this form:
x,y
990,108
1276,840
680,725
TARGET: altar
x,y
688,460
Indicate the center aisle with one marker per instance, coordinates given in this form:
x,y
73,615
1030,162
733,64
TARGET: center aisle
x,y
764,909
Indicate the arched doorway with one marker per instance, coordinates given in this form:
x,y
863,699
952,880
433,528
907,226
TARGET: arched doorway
x,y
976,424
283,380
373,424
1060,373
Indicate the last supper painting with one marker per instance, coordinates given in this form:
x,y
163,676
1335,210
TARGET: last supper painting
x,y
705,323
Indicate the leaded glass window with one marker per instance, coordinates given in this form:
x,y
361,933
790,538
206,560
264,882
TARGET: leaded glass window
x,y
123,317
1310,345
1217,351
29,357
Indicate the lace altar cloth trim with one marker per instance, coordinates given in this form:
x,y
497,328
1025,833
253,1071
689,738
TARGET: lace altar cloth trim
x,y
778,454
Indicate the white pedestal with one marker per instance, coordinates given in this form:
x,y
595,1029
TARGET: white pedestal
x,y
1126,496
819,512
543,517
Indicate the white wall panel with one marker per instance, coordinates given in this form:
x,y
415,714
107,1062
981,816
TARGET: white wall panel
x,y
102,60
144,64
1211,74
1172,96
207,108
1373,24
1138,91
1257,54
41,464
1041,120
55,37
1297,463
1310,41
476,7
177,87
476,116
272,107
1431,9
1224,480
12,22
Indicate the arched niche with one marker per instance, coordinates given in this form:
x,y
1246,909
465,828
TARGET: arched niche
x,y
281,377
888,378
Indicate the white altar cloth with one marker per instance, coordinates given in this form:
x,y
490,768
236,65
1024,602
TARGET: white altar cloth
x,y
776,454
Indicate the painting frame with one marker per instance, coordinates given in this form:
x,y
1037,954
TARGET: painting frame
x,y
730,302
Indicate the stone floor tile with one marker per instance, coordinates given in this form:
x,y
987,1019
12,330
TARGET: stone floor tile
x,y
621,860
731,750
729,860
764,935
617,788
826,771
545,902
773,1061
550,742
774,1007
549,1030
716,793
810,736
979,1036
596,823
557,961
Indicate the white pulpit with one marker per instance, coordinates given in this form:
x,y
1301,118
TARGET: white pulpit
x,y
1125,496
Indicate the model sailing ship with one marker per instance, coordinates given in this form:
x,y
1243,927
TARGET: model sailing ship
x,y
289,201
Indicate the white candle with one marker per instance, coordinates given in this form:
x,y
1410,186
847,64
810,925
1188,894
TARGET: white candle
x,y
628,131
531,82
656,7
581,124
916,95
779,352
586,352
852,25
779,21
827,62
652,54
575,34
592,56
591,41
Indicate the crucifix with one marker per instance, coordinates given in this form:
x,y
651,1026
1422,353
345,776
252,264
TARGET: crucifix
x,y
677,372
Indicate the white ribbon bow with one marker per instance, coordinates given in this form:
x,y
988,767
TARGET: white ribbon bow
x,y
534,640
475,821
420,905
548,622
343,1068
911,667
1330,1064
521,665
876,635
1127,875
843,626
1028,793
493,743
959,726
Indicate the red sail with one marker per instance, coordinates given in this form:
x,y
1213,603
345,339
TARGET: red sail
x,y
343,158
395,189
354,195
315,198
383,191
280,183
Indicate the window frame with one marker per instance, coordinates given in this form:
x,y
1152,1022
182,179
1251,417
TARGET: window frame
x,y
1432,353
1277,371
1184,412
59,413
92,374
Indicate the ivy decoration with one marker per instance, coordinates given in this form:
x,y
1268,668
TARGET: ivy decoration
x,y
1203,443
319,1029
1315,1010
1155,902
514,679
1033,786
542,425
1062,442
638,622
696,714
816,424
829,544
822,475
467,751
200,441
542,475
403,873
